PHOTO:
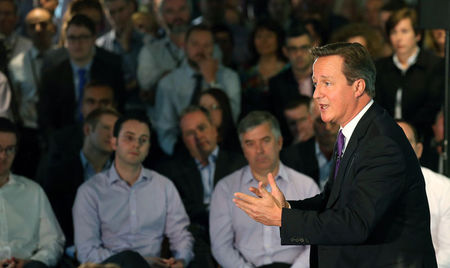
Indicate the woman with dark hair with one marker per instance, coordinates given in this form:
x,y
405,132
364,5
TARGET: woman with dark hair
x,y
217,103
266,45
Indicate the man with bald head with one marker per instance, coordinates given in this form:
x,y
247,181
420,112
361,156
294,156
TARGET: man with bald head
x,y
25,76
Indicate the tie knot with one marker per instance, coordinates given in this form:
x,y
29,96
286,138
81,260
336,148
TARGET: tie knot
x,y
340,142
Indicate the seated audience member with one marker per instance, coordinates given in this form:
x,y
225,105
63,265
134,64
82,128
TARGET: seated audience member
x,y
29,230
433,151
183,85
5,97
160,57
145,23
314,157
266,45
434,41
65,174
123,39
25,73
409,84
295,80
236,239
130,208
195,175
63,84
14,42
438,193
218,105
223,37
297,114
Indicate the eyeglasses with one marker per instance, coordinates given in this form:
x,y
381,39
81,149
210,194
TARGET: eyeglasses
x,y
293,49
74,38
9,150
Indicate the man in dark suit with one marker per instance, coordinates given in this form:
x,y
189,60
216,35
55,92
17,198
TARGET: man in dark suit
x,y
294,81
62,84
374,210
313,157
68,170
195,174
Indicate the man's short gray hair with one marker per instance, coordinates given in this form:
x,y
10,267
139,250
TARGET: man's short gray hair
x,y
256,118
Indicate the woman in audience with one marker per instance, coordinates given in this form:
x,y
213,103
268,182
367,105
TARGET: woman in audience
x,y
217,103
266,44
435,41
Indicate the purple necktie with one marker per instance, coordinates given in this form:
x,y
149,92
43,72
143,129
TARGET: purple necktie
x,y
340,147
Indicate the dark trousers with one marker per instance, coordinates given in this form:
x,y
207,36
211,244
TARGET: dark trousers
x,y
276,265
35,264
128,259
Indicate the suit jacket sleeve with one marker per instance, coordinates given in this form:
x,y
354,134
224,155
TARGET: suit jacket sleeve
x,y
373,182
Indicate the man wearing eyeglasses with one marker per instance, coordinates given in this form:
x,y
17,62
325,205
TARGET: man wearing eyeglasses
x,y
63,83
294,81
30,235
122,214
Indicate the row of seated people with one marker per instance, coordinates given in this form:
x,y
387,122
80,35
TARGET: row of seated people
x,y
119,205
412,91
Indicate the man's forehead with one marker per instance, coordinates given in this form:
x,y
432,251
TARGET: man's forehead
x,y
134,127
38,15
302,39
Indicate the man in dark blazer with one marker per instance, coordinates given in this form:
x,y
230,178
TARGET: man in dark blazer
x,y
374,210
294,81
67,169
59,103
313,157
196,173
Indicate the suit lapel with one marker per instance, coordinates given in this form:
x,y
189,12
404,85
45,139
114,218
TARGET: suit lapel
x,y
349,155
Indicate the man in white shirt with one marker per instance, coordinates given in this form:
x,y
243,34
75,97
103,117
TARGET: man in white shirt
x,y
438,194
29,230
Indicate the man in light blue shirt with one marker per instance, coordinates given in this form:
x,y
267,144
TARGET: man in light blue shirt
x,y
182,86
129,207
237,240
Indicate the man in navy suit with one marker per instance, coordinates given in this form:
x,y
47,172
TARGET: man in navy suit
x,y
373,211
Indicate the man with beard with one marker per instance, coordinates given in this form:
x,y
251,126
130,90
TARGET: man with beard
x,y
183,85
314,156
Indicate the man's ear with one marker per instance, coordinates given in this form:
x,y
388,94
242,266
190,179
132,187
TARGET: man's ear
x,y
86,129
359,87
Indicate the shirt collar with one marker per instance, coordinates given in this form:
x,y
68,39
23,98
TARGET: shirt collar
x,y
248,176
411,60
85,162
211,158
114,177
350,127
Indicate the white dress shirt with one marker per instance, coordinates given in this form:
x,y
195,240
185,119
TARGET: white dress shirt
x,y
438,194
27,223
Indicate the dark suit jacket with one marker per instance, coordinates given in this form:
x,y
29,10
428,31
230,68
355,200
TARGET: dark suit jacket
x,y
57,104
283,88
182,170
375,212
302,158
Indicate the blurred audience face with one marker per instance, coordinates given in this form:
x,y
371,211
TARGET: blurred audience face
x,y
199,46
326,133
199,134
176,14
8,144
212,105
119,13
80,43
144,22
96,97
99,136
40,28
261,148
300,123
279,9
8,17
49,5
213,11
439,36
224,40
95,15
265,42
409,133
358,39
297,51
403,38
132,144
438,130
